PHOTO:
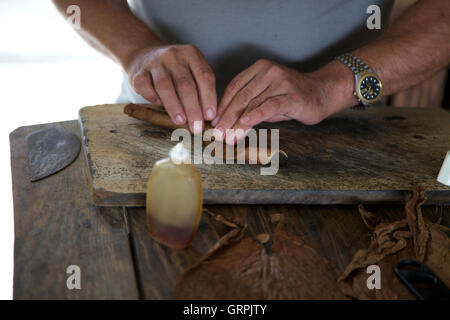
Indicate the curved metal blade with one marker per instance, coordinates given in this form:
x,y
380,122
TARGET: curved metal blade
x,y
50,150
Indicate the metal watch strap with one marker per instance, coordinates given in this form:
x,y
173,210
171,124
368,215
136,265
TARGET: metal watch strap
x,y
357,66
353,62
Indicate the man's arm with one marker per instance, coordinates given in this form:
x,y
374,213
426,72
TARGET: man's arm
x,y
415,47
110,27
177,76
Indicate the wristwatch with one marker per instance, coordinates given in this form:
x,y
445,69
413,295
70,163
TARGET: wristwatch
x,y
368,85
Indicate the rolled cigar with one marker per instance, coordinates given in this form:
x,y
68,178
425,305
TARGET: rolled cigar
x,y
157,116
152,114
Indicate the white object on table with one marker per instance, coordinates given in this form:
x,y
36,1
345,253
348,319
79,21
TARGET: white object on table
x,y
444,174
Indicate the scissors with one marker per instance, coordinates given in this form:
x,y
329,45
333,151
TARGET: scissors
x,y
421,281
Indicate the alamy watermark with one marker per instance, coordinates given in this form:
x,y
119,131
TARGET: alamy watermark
x,y
374,280
373,22
74,16
74,280
252,149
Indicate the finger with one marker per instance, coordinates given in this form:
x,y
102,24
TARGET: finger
x,y
187,91
240,129
233,88
142,84
241,100
166,91
206,84
278,119
256,102
272,107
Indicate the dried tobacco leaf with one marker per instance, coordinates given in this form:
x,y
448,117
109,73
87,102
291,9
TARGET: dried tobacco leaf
x,y
235,234
416,223
221,219
263,237
275,217
410,238
243,270
370,220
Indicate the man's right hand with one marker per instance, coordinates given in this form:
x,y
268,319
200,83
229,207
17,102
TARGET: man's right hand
x,y
178,77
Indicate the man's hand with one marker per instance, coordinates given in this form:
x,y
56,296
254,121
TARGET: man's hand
x,y
178,77
414,48
267,91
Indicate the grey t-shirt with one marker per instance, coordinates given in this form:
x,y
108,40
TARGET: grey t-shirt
x,y
233,34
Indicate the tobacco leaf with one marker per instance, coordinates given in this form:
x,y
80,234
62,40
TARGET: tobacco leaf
x,y
410,238
244,270
370,220
263,237
416,223
220,218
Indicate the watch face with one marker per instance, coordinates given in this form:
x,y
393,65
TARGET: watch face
x,y
370,88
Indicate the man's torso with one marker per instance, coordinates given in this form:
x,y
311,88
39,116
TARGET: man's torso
x,y
233,34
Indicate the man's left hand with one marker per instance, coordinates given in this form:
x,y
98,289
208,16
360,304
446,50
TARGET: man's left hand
x,y
267,91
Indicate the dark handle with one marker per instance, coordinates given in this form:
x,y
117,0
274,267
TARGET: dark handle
x,y
421,281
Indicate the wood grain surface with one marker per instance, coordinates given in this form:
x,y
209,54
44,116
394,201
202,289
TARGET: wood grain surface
x,y
56,225
372,157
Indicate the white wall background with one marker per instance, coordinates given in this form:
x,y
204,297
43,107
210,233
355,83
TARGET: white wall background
x,y
47,73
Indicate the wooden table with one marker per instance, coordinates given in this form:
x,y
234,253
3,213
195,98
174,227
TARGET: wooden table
x,y
56,225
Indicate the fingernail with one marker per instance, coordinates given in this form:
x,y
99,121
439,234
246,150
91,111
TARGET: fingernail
x,y
218,133
231,139
179,119
197,127
245,119
209,114
241,134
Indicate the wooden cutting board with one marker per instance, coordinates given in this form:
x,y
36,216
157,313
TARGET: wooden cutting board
x,y
373,156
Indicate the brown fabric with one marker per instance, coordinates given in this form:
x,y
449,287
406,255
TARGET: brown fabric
x,y
244,270
410,238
